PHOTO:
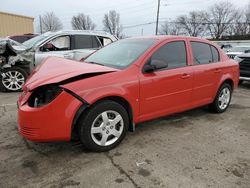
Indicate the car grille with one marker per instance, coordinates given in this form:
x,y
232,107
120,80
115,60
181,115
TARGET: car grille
x,y
245,67
231,56
29,132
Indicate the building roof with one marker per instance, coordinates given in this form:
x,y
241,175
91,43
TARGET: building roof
x,y
17,15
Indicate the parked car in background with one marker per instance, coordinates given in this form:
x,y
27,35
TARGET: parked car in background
x,y
244,62
17,61
22,38
226,47
127,82
237,50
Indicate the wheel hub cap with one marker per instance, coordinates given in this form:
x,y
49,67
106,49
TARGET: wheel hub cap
x,y
107,128
224,98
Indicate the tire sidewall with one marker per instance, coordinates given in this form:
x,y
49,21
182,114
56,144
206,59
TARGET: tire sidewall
x,y
87,119
217,108
20,70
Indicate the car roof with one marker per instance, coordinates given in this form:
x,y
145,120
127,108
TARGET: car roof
x,y
165,37
84,32
169,37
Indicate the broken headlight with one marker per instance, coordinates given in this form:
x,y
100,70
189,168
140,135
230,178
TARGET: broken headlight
x,y
44,95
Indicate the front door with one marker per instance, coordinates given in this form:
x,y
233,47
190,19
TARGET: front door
x,y
166,90
59,46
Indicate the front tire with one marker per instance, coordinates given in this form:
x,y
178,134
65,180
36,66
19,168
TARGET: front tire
x,y
103,126
13,79
222,99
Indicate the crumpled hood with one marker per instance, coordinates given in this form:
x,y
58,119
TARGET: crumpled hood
x,y
56,70
11,45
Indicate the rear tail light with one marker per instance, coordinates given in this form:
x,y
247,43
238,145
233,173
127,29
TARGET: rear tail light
x,y
44,95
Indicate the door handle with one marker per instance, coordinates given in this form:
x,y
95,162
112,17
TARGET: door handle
x,y
217,70
185,76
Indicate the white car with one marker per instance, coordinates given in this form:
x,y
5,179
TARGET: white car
x,y
237,50
18,60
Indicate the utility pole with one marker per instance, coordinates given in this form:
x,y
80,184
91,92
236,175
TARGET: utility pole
x,y
40,23
142,32
157,17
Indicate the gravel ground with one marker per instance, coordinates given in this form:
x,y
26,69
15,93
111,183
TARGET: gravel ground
x,y
191,149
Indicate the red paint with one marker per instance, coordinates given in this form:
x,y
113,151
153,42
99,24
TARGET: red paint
x,y
150,95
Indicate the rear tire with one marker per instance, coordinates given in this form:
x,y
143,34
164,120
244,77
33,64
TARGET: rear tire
x,y
222,99
103,126
14,79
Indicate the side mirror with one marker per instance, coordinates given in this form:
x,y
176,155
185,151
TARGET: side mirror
x,y
155,64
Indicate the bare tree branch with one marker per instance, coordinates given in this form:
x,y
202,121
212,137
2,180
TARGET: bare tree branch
x,y
82,22
111,22
219,17
241,22
50,22
170,29
192,24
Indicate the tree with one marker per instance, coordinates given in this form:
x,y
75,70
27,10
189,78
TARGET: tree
x,y
240,25
170,28
192,24
50,22
237,27
111,23
218,18
82,22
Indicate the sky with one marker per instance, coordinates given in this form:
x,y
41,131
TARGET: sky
x,y
132,12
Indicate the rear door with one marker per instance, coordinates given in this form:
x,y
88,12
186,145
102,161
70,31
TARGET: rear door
x,y
83,45
168,90
207,72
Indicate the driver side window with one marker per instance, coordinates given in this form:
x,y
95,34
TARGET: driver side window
x,y
58,44
173,53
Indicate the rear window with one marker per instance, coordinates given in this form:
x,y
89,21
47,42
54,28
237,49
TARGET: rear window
x,y
215,53
204,53
85,42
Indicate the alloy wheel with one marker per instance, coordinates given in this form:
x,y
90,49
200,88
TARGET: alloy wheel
x,y
13,80
224,98
107,128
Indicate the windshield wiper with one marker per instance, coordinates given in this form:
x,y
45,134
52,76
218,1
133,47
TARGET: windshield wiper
x,y
92,62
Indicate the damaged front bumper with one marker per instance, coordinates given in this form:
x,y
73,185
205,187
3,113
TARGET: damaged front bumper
x,y
13,53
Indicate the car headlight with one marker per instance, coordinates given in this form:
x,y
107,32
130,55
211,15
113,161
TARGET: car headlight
x,y
44,95
238,59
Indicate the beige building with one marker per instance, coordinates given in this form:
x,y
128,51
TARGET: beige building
x,y
13,24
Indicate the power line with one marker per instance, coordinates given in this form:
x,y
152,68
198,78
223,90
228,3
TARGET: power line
x,y
175,22
137,25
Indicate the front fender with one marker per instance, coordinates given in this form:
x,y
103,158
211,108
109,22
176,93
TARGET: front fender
x,y
128,91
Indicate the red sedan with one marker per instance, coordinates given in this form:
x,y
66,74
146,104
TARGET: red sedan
x,y
127,82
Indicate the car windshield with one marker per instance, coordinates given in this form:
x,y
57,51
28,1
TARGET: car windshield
x,y
240,49
122,53
32,42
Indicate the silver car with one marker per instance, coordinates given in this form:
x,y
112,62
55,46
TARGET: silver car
x,y
18,60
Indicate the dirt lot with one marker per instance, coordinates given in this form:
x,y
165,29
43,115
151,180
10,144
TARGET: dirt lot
x,y
191,149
